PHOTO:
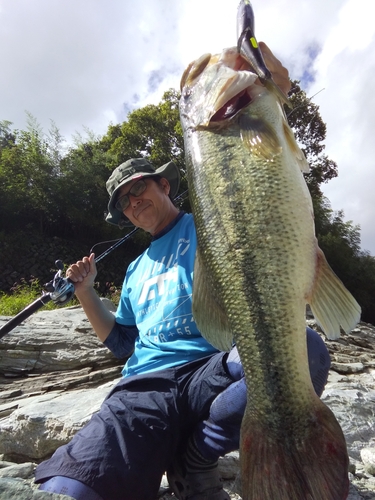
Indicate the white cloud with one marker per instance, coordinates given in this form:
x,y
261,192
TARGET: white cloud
x,y
346,69
87,62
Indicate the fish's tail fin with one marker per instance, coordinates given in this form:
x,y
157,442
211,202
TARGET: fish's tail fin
x,y
312,466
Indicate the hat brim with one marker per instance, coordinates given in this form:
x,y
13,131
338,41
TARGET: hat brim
x,y
169,171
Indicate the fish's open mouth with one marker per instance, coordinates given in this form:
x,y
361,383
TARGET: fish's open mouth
x,y
240,86
227,85
232,107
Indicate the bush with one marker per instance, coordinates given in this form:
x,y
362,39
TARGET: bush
x,y
24,294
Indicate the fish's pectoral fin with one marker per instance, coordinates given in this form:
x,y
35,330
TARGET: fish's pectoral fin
x,y
207,311
331,303
298,153
259,137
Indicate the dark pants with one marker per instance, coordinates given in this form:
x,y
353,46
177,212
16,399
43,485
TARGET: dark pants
x,y
220,432
126,447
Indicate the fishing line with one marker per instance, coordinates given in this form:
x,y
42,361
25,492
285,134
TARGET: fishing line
x,y
302,104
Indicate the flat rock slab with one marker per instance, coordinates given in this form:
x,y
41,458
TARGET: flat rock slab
x,y
49,341
19,489
54,359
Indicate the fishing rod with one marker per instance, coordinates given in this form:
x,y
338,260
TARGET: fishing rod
x,y
60,290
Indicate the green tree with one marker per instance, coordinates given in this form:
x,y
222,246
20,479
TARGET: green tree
x,y
81,194
310,131
341,243
55,147
27,177
153,131
7,136
8,174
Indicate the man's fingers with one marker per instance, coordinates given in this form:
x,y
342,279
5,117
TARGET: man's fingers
x,y
92,263
280,74
79,270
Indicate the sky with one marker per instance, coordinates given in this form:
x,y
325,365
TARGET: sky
x,y
83,64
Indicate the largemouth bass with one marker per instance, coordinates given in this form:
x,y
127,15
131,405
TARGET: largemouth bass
x,y
257,266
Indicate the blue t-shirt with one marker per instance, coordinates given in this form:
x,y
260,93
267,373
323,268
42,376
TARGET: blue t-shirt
x,y
157,297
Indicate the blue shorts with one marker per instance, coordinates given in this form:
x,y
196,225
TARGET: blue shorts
x,y
126,447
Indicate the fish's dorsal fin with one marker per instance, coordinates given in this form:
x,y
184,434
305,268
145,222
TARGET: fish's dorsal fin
x,y
208,313
331,303
259,137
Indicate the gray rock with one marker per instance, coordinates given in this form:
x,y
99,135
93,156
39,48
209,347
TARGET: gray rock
x,y
41,424
347,367
50,341
18,489
23,471
352,400
368,458
54,358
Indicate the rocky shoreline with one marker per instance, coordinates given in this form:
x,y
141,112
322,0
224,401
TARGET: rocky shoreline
x,y
54,359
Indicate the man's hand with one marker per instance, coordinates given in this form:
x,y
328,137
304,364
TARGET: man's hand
x,y
83,273
280,75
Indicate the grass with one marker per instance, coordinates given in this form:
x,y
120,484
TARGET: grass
x,y
25,293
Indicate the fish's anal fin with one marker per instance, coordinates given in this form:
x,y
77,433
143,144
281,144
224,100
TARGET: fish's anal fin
x,y
259,137
331,303
298,153
207,312
309,463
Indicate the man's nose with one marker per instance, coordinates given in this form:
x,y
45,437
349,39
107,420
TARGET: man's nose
x,y
135,200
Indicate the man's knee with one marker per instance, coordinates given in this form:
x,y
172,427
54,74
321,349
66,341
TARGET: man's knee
x,y
219,434
319,360
70,487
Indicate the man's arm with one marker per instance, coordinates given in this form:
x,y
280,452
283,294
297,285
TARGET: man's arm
x,y
83,274
121,340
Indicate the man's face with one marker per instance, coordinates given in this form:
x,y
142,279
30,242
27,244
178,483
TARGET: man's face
x,y
150,209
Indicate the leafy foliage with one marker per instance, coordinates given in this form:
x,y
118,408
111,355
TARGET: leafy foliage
x,y
28,179
153,132
22,295
310,131
60,191
340,242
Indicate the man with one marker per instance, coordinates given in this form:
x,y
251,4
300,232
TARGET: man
x,y
180,403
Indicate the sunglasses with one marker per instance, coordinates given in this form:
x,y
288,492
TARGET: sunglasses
x,y
136,190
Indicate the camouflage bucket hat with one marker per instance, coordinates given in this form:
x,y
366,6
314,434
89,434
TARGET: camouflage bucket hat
x,y
133,169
